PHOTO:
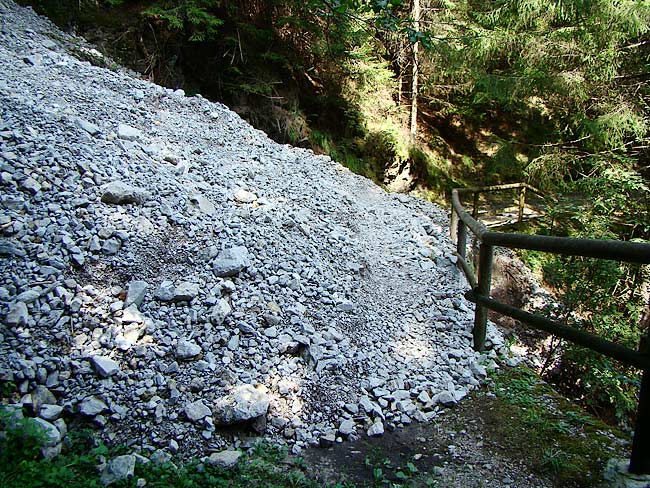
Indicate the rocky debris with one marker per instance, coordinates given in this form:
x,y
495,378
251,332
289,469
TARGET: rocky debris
x,y
224,459
104,366
50,438
197,411
92,406
347,427
18,314
121,193
376,429
616,475
185,292
157,251
244,403
231,261
220,311
118,469
136,293
165,291
128,133
243,196
89,127
187,349
50,412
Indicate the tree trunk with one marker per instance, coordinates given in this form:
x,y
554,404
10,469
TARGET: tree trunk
x,y
414,74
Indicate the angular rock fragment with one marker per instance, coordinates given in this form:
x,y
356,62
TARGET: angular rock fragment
x,y
347,427
196,411
185,292
376,429
165,291
117,469
120,193
136,293
220,311
187,349
224,459
105,366
231,261
18,314
92,406
244,403
89,127
128,133
445,398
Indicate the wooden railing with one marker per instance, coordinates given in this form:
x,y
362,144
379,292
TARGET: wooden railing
x,y
632,252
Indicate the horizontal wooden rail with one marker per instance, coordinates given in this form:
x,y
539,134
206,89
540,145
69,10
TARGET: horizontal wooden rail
x,y
577,336
632,252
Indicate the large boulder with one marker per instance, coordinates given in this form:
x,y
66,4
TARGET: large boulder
x,y
244,403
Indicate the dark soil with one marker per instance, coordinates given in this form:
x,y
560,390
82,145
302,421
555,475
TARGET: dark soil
x,y
483,442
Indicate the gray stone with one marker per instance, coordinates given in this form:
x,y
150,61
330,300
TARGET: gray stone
x,y
136,293
33,59
51,435
92,406
246,328
424,397
128,133
224,459
105,366
117,469
18,314
187,349
220,311
244,403
445,398
347,427
185,291
50,412
205,205
41,395
165,291
327,440
29,296
231,261
376,429
111,246
233,343
89,127
271,332
243,196
196,411
119,193
617,475
8,248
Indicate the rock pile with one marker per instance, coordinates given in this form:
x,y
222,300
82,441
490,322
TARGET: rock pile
x,y
165,269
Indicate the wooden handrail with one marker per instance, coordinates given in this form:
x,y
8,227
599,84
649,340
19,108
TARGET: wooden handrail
x,y
633,252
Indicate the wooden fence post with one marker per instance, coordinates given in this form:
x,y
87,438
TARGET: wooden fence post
x,y
522,203
486,253
640,457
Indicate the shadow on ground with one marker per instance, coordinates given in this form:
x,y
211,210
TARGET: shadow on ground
x,y
515,433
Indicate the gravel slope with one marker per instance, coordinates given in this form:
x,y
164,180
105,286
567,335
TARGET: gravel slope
x,y
158,253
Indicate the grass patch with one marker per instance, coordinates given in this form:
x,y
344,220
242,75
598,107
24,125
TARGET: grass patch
x,y
22,466
558,438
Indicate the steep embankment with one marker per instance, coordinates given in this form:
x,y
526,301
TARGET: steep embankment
x,y
158,253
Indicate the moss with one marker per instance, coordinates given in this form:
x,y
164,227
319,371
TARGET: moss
x,y
560,439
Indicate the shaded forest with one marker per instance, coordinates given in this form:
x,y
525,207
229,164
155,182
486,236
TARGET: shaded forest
x,y
432,94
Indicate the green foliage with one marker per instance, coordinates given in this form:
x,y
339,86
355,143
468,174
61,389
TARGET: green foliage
x,y
21,465
562,440
195,18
